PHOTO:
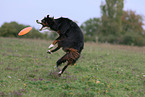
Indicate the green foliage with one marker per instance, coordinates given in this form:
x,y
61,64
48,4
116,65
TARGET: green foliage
x,y
132,31
111,17
132,22
28,71
13,28
133,39
115,25
90,29
53,35
108,39
10,29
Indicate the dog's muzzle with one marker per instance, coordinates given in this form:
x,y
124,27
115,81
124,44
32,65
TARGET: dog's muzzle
x,y
37,21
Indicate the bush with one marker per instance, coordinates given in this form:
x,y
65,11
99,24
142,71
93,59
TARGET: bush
x,y
13,28
133,39
89,38
109,39
126,39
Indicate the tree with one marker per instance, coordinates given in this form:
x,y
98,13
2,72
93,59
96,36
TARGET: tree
x,y
91,28
132,22
111,23
132,29
115,25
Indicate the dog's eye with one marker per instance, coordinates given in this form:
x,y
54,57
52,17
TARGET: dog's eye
x,y
43,21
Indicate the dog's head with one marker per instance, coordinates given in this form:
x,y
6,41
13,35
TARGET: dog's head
x,y
46,22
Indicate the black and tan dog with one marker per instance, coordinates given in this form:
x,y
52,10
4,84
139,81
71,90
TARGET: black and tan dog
x,y
70,39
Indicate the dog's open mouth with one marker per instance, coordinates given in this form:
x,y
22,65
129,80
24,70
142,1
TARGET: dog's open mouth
x,y
43,24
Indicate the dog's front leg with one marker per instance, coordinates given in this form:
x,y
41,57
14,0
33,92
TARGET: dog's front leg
x,y
54,42
54,50
52,45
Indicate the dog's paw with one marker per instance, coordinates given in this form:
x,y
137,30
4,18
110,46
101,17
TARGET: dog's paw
x,y
51,46
49,52
59,74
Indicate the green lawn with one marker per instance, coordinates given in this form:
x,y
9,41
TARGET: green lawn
x,y
27,70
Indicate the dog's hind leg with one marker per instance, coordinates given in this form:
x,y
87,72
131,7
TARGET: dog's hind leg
x,y
70,62
61,72
61,60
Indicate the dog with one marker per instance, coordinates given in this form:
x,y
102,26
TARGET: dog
x,y
70,39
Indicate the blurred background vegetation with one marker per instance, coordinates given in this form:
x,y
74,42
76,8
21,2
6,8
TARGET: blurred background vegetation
x,y
115,26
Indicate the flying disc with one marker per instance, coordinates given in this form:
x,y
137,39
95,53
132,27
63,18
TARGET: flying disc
x,y
25,31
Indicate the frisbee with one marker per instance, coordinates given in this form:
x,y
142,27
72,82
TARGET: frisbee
x,y
25,31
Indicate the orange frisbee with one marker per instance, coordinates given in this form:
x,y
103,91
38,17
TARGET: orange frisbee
x,y
25,31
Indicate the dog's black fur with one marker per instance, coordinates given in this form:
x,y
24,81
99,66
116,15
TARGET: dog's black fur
x,y
70,39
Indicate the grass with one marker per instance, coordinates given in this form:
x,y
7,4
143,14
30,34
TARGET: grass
x,y
27,70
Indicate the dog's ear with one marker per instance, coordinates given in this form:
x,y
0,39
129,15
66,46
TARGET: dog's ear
x,y
47,16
